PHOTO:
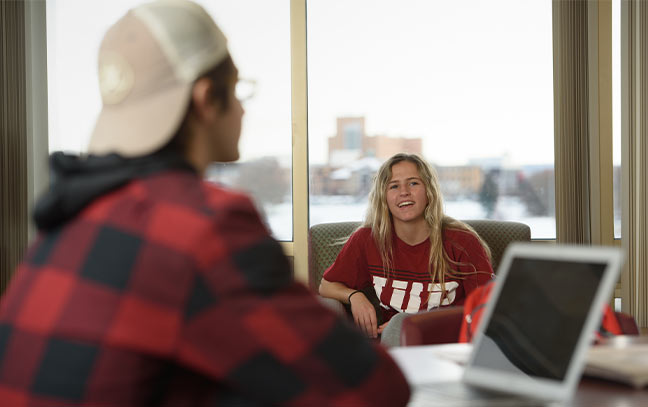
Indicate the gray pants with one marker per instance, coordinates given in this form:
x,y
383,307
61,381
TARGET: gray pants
x,y
392,332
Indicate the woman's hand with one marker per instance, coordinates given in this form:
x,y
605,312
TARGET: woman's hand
x,y
364,314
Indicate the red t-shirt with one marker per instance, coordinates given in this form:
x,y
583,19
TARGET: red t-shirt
x,y
408,287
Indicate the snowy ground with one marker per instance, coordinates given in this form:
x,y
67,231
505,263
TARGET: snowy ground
x,y
339,209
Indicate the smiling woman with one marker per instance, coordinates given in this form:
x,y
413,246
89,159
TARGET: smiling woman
x,y
407,200
407,254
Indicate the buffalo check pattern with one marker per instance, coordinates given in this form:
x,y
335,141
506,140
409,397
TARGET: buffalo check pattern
x,y
170,292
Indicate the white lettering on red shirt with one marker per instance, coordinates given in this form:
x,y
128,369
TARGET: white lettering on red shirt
x,y
415,295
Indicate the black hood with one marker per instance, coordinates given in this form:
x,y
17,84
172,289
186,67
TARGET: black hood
x,y
76,181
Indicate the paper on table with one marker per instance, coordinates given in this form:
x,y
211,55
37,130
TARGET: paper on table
x,y
431,363
627,364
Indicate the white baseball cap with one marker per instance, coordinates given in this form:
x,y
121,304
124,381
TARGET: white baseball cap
x,y
148,61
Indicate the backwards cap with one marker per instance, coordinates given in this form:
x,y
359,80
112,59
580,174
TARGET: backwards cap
x,y
148,61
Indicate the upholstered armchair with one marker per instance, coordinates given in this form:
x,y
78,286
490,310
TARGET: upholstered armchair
x,y
326,240
324,243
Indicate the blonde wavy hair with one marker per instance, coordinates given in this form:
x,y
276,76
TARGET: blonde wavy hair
x,y
379,219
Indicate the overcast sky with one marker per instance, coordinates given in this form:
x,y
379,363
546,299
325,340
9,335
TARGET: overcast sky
x,y
472,78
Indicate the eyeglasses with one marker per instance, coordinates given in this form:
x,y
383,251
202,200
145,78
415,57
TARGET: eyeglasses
x,y
245,89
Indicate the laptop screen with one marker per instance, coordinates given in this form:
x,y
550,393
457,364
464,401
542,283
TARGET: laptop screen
x,y
537,321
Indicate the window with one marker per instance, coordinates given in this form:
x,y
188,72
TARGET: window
x,y
467,84
259,40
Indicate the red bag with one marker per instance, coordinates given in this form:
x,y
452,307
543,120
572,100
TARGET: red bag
x,y
477,300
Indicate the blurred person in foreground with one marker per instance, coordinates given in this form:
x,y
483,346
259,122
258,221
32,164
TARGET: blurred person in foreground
x,y
149,286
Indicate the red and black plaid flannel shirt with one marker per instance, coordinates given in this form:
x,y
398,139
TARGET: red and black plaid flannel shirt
x,y
170,292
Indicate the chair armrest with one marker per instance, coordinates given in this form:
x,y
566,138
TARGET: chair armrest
x,y
440,325
345,309
335,305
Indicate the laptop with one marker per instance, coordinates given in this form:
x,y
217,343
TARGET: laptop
x,y
532,340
